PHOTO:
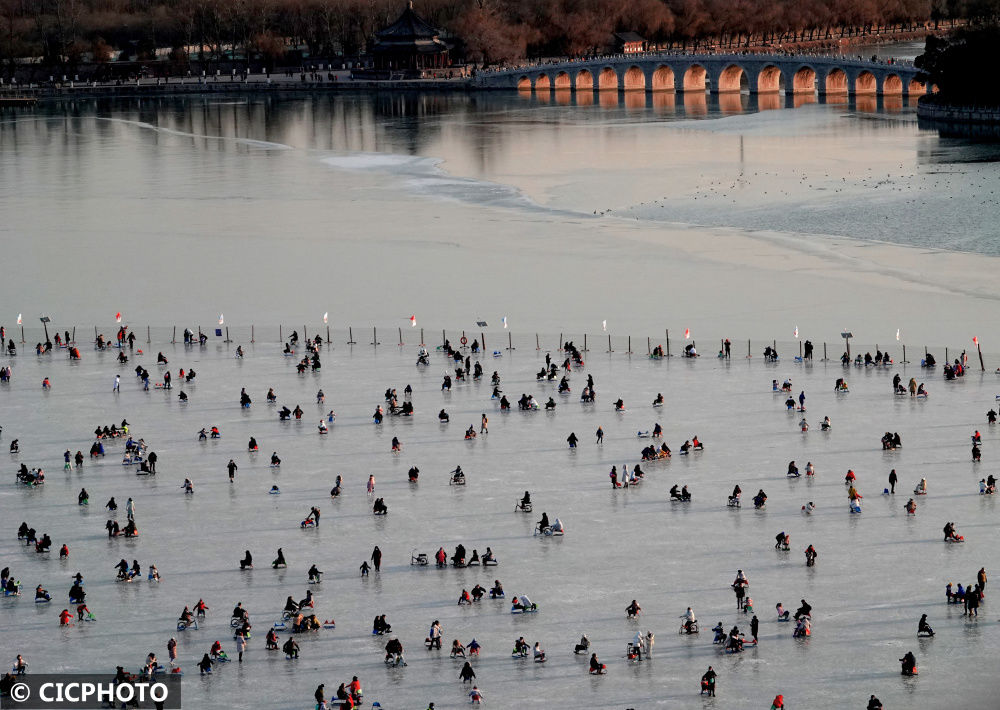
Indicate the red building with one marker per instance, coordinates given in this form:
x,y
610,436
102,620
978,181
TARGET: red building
x,y
629,43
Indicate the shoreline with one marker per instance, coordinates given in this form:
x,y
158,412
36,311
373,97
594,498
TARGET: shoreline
x,y
228,88
191,86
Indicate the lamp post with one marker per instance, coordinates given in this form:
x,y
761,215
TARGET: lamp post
x,y
847,335
45,324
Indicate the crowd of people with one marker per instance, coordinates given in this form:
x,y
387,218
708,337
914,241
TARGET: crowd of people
x,y
299,617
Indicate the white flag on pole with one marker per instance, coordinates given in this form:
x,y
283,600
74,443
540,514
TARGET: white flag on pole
x,y
413,321
796,334
897,334
505,321
221,319
326,317
19,319
604,325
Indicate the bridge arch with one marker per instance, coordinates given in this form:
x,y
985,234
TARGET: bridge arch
x,y
770,80
662,78
803,80
524,84
865,83
543,83
694,78
562,82
607,80
836,81
584,80
634,79
730,79
892,85
917,87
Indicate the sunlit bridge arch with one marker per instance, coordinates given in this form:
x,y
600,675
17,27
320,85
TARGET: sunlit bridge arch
x,y
634,79
865,83
770,80
663,78
607,80
694,78
804,80
892,85
731,79
836,81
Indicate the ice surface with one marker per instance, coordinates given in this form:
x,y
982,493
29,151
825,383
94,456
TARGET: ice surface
x,y
876,573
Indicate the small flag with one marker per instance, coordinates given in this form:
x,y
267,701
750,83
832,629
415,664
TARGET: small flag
x,y
604,325
975,340
796,334
413,321
505,321
687,333
326,317
118,317
19,319
897,334
221,319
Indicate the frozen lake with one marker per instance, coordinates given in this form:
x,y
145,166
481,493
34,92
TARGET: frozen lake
x,y
876,572
456,207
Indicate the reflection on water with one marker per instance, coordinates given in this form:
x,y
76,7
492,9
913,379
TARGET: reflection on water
x,y
701,104
856,165
412,122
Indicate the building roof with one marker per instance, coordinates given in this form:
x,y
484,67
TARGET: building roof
x,y
409,27
629,37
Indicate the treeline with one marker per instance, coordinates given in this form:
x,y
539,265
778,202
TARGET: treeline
x,y
63,31
958,64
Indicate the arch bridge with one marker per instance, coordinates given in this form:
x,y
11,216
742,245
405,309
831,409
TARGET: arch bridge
x,y
718,73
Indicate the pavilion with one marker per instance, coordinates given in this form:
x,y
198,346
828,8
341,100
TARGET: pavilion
x,y
411,45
